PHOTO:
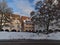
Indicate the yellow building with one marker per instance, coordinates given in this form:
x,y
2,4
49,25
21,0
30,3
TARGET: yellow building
x,y
14,24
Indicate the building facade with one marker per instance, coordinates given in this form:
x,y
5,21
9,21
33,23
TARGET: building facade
x,y
27,24
14,24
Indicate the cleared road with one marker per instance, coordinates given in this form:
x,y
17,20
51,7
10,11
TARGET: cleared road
x,y
29,42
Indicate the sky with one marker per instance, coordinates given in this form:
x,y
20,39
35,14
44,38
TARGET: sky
x,y
22,7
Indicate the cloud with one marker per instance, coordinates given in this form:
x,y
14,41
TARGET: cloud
x,y
24,6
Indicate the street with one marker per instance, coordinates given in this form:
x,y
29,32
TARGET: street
x,y
29,42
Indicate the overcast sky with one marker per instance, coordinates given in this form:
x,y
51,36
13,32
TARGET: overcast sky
x,y
22,7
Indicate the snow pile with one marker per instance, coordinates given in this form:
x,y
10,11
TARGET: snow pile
x,y
54,36
21,35
27,35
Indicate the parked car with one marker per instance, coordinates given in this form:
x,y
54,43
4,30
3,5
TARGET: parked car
x,y
30,30
13,30
56,30
40,31
27,31
50,31
7,30
44,30
18,30
1,30
34,31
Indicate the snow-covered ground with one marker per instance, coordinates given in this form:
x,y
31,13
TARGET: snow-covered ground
x,y
27,35
54,36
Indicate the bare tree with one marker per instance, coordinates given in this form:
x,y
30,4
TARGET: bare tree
x,y
46,12
5,13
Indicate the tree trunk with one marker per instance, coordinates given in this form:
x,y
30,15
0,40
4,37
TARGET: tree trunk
x,y
1,22
4,20
47,27
48,21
